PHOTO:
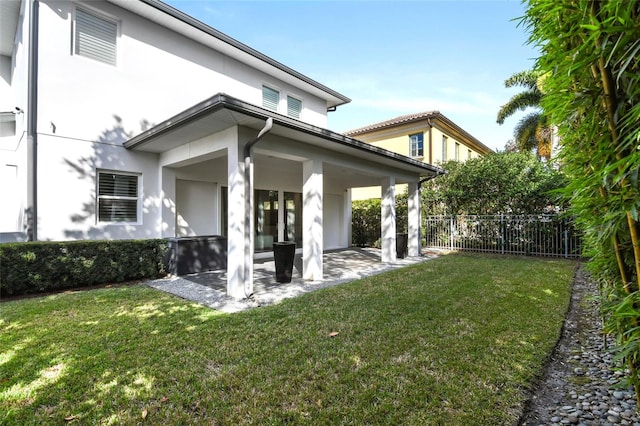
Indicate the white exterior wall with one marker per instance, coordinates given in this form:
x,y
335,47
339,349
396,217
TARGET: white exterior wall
x,y
13,148
67,190
87,109
197,208
159,73
333,214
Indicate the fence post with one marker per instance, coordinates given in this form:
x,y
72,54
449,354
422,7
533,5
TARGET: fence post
x,y
566,237
451,228
502,231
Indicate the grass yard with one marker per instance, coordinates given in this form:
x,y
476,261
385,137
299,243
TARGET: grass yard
x,y
454,341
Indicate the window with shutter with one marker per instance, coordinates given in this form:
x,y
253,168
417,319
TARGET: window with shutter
x,y
445,142
270,98
95,37
416,145
294,107
117,197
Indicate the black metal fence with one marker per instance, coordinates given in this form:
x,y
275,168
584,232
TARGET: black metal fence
x,y
532,235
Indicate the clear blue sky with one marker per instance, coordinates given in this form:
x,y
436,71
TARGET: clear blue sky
x,y
390,57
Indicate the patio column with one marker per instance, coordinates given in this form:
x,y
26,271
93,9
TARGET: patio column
x,y
168,202
388,219
414,219
239,286
312,236
348,217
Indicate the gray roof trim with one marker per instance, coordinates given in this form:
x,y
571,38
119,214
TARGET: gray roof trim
x,y
223,101
189,20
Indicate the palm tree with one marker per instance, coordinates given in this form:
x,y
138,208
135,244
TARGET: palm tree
x,y
533,130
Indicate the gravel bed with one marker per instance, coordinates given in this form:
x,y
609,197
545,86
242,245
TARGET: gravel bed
x,y
583,385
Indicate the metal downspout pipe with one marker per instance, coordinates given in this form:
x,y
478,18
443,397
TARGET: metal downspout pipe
x,y
248,195
32,121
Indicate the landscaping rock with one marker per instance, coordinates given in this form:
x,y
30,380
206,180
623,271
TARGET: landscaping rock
x,y
582,384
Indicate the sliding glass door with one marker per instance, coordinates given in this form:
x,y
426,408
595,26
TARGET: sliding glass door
x,y
267,216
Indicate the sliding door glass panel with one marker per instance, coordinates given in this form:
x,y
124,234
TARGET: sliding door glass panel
x,y
293,217
266,219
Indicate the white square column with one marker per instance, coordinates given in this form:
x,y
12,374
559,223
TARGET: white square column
x,y
312,236
388,219
413,200
239,286
168,202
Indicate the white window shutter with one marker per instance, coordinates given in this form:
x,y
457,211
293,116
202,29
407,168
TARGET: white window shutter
x,y
270,98
294,107
95,37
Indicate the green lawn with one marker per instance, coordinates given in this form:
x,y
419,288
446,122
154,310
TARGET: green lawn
x,y
455,340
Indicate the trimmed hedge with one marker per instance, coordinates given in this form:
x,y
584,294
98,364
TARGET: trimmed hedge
x,y
47,266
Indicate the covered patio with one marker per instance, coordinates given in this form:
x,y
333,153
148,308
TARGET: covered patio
x,y
256,177
342,265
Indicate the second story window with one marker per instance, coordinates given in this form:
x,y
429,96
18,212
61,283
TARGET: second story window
x,y
445,142
95,37
457,152
270,98
416,145
294,107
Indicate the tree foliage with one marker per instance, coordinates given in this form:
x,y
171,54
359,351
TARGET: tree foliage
x,y
533,130
510,183
590,54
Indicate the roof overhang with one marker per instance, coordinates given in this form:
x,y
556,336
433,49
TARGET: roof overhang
x,y
222,111
169,17
9,15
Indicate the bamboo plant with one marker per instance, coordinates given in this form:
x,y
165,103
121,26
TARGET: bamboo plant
x,y
590,55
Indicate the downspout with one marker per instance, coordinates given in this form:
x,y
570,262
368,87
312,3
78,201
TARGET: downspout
x,y
430,141
32,118
248,211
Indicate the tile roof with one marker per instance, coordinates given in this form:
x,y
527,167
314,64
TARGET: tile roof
x,y
403,119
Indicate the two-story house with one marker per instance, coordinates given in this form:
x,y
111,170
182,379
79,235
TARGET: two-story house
x,y
125,119
428,136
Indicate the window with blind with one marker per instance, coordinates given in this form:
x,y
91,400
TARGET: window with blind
x,y
95,37
294,107
270,98
117,197
445,142
416,145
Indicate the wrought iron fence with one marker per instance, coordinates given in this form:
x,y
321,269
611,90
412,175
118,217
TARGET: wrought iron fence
x,y
532,235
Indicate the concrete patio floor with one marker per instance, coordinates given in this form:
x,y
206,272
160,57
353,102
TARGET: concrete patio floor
x,y
339,266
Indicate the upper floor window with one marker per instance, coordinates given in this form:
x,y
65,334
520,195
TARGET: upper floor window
x,y
294,107
468,153
95,37
445,142
270,98
456,153
118,197
416,145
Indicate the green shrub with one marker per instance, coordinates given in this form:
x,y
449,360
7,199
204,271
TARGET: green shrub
x,y
46,266
366,217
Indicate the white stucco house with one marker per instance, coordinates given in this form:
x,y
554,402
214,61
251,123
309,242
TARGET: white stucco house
x,y
123,119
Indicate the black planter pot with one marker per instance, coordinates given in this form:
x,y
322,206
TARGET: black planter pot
x,y
283,254
402,241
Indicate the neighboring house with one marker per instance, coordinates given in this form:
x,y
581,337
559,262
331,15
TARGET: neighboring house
x,y
126,119
429,137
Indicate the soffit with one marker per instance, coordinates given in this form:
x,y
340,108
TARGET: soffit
x,y
9,15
